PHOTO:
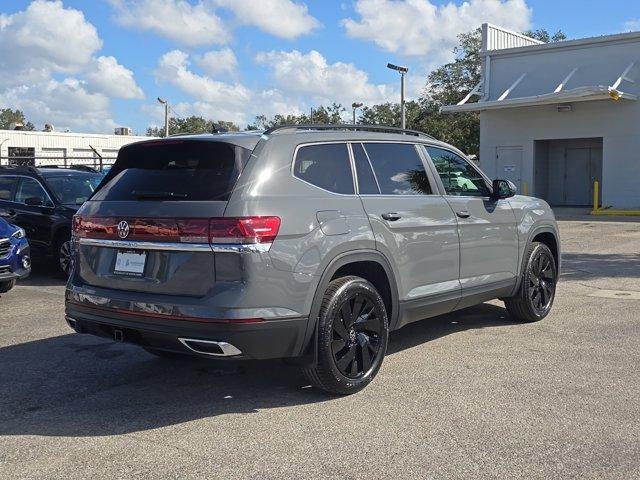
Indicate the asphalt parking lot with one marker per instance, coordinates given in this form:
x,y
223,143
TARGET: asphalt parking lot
x,y
466,395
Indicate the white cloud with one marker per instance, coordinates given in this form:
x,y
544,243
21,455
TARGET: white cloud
x,y
44,37
66,104
108,76
217,62
310,74
44,41
281,18
173,68
421,28
178,20
632,25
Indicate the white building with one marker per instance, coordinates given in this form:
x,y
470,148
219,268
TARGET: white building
x,y
556,117
61,149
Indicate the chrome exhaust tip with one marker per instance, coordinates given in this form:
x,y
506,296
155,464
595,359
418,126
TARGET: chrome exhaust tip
x,y
71,322
210,347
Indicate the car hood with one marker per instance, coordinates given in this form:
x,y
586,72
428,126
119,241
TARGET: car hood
x,y
6,229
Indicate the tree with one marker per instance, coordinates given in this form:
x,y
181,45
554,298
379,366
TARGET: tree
x,y
8,116
544,36
193,124
331,115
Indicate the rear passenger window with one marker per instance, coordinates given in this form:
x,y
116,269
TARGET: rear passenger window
x,y
398,169
326,166
7,187
367,184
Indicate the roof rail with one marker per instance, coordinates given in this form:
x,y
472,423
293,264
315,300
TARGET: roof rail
x,y
342,126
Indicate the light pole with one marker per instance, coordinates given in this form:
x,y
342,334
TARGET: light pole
x,y
166,116
403,71
354,106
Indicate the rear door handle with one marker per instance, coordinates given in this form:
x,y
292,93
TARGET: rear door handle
x,y
391,216
463,214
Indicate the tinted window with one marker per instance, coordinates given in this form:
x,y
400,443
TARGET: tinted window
x,y
398,168
366,181
30,188
458,176
174,170
326,166
7,187
74,189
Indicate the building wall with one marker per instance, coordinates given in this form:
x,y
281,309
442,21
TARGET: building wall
x,y
60,145
617,123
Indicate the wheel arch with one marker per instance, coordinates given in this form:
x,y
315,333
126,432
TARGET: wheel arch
x,y
547,235
361,260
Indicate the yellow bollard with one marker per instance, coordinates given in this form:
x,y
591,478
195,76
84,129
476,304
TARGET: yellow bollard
x,y
596,195
525,188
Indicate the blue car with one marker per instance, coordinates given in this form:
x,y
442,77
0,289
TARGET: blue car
x,y
15,259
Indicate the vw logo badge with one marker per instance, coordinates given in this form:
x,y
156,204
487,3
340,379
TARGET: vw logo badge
x,y
123,229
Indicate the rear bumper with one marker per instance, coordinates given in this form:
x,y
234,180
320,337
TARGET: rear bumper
x,y
274,338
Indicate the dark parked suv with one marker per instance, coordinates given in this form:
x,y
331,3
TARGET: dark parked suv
x,y
43,201
308,243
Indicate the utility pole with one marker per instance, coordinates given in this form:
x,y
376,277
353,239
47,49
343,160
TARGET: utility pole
x,y
403,71
311,118
354,106
166,116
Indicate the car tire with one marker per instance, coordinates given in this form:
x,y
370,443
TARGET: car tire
x,y
536,293
62,257
352,336
6,286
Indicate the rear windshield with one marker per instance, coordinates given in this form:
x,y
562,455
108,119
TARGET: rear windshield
x,y
174,170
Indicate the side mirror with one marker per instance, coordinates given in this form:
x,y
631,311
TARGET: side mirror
x,y
503,189
33,201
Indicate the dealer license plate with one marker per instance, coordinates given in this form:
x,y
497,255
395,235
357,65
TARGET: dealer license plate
x,y
130,263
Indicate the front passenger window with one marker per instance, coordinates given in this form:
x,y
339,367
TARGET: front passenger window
x,y
458,177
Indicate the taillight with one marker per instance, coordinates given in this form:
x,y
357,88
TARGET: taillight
x,y
94,227
243,229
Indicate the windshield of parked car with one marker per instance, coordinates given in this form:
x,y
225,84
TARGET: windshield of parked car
x,y
74,188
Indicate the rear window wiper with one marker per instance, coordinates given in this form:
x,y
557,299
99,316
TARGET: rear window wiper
x,y
151,195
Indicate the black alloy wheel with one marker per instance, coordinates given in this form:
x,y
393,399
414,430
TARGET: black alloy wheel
x,y
542,282
356,336
65,259
352,336
534,298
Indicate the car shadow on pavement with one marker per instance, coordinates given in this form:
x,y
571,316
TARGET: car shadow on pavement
x,y
589,266
43,274
78,385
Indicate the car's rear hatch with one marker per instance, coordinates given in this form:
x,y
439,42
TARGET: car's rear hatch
x,y
148,227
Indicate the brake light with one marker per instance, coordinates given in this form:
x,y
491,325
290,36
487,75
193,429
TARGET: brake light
x,y
243,229
240,230
94,227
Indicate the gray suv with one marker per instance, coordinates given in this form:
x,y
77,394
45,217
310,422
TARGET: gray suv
x,y
308,243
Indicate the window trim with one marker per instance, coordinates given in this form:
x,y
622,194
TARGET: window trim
x,y
351,164
425,147
53,204
427,169
355,169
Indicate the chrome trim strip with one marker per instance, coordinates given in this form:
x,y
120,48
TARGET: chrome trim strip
x,y
179,247
228,350
240,247
124,244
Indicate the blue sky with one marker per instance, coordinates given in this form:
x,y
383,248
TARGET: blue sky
x,y
90,65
